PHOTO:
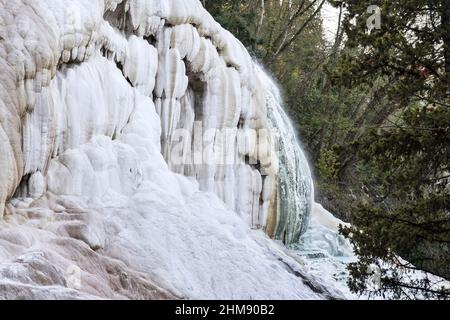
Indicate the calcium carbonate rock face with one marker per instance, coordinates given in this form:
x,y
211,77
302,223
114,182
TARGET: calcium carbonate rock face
x,y
99,99
196,75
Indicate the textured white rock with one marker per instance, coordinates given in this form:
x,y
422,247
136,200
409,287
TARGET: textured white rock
x,y
141,65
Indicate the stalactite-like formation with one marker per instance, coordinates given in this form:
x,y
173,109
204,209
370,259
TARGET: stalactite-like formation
x,y
199,78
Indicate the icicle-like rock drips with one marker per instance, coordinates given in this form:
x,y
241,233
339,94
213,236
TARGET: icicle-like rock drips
x,y
201,80
105,104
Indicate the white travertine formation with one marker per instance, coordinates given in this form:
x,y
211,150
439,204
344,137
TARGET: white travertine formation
x,y
98,100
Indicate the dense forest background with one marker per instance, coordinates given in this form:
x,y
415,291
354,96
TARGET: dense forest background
x,y
372,108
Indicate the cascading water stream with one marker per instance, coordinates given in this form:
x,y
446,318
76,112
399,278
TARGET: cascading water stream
x,y
295,187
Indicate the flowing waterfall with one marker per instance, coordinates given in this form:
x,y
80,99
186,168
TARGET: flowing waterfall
x,y
295,183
